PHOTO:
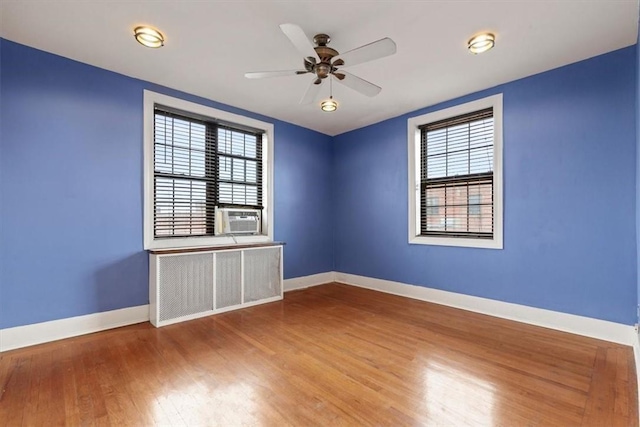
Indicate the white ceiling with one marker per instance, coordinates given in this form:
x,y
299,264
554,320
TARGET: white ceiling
x,y
210,44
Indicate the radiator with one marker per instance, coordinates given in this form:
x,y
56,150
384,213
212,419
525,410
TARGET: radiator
x,y
184,286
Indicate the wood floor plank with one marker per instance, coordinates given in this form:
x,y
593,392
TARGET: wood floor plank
x,y
16,387
329,355
90,389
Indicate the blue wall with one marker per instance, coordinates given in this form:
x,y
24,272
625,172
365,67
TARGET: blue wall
x,y
569,197
71,193
71,189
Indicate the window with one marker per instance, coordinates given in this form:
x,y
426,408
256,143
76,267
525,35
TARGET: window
x,y
198,165
456,166
455,169
196,159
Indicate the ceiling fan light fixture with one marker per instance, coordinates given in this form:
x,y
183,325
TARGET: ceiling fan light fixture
x,y
149,37
481,43
329,105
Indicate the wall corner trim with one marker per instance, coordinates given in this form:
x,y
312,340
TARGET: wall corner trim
x,y
580,325
38,333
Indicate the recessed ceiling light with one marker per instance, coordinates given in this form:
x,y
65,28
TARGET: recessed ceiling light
x,y
149,37
329,105
481,43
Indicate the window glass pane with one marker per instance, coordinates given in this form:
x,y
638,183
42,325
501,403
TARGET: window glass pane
x,y
437,142
237,143
474,204
252,171
197,163
433,205
458,138
238,170
224,141
461,149
225,192
180,207
454,221
437,166
250,146
179,147
233,169
457,163
481,133
481,160
224,168
238,194
162,159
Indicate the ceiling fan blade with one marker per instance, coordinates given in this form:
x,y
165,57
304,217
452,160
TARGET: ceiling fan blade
x,y
359,85
265,74
369,52
299,40
311,94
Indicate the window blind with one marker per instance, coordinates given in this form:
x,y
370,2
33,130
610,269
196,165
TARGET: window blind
x,y
199,165
456,190
240,167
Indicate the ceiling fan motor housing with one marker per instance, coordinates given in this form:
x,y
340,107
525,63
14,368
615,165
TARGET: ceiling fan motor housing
x,y
325,53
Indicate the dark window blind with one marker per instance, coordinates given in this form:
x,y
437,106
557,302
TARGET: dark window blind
x,y
199,165
456,191
240,167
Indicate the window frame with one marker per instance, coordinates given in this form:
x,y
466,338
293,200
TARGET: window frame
x,y
150,100
414,167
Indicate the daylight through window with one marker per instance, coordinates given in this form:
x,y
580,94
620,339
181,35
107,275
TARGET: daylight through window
x,y
198,165
456,185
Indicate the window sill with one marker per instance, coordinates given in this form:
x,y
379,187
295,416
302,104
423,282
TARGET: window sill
x,y
494,243
214,248
196,242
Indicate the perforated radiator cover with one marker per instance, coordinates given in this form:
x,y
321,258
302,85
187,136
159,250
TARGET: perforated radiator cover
x,y
187,285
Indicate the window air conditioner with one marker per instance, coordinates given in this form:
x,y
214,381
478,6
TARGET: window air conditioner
x,y
237,221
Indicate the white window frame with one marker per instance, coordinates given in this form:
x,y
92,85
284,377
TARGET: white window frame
x,y
151,99
413,143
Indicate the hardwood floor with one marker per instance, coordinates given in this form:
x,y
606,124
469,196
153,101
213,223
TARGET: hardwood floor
x,y
329,355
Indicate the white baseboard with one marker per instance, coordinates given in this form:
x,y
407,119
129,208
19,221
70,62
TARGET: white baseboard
x,y
23,336
38,333
587,326
308,281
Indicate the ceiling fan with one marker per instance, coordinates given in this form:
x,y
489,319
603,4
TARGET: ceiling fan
x,y
324,62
